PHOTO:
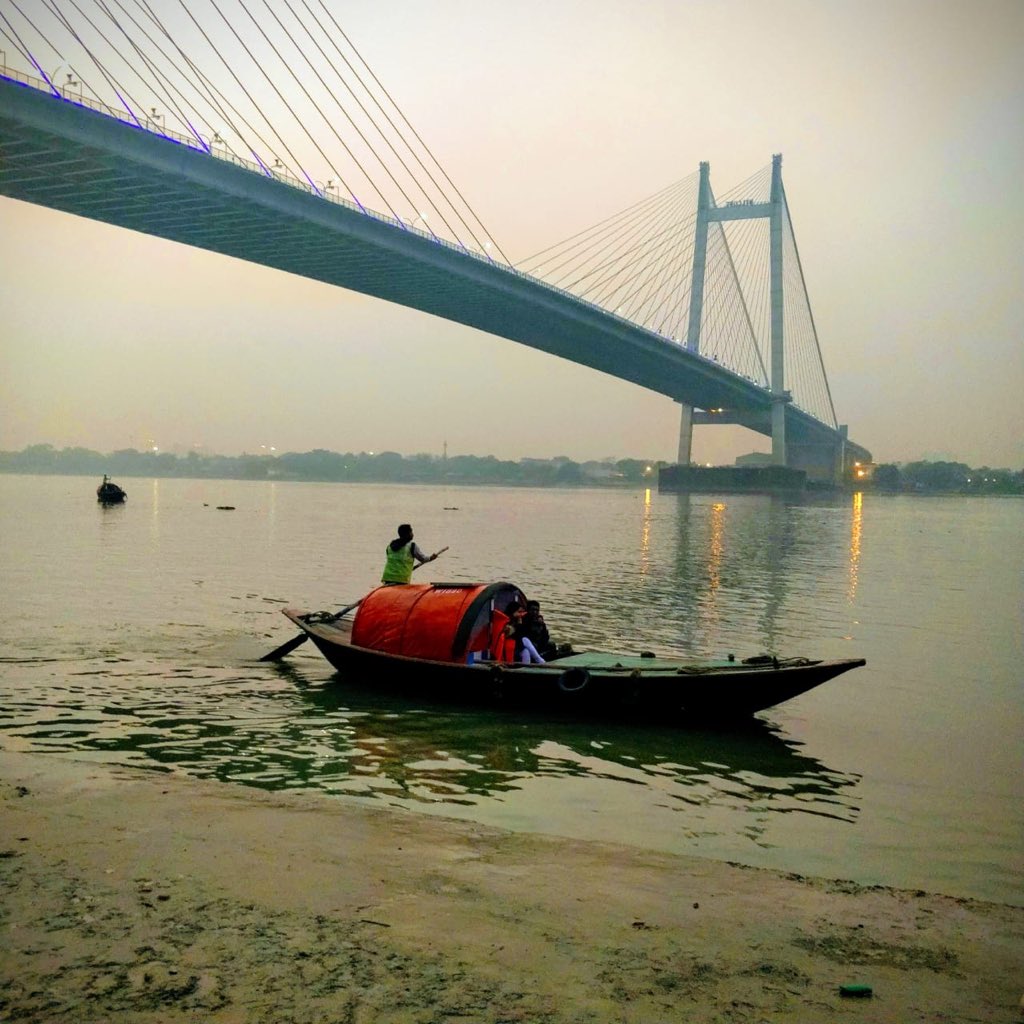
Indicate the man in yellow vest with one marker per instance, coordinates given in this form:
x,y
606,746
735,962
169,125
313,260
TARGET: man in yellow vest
x,y
401,554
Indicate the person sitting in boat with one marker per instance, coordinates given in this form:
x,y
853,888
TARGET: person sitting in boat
x,y
535,629
523,649
400,555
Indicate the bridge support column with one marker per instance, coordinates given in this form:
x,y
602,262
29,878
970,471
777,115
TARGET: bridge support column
x,y
779,430
822,461
839,469
778,365
685,434
700,258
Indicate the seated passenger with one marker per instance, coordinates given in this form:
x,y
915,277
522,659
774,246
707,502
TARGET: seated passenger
x,y
535,630
524,650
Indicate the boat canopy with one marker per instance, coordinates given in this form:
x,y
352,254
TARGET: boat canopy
x,y
439,621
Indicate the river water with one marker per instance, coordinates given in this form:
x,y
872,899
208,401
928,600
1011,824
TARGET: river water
x,y
131,635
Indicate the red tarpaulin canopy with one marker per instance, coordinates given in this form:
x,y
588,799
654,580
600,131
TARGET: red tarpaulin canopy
x,y
439,621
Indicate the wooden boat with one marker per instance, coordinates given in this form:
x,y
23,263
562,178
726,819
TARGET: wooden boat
x,y
108,493
438,639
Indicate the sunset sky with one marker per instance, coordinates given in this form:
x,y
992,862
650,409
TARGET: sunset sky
x,y
900,129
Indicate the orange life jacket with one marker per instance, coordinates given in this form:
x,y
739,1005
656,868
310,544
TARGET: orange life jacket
x,y
503,648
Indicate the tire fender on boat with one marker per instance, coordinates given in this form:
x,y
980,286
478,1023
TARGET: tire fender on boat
x,y
573,680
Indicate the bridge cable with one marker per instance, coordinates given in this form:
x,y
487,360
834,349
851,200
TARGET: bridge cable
x,y
749,335
664,274
211,101
97,63
440,191
810,311
654,244
589,245
677,279
327,121
737,244
330,93
266,170
160,77
723,295
524,264
214,91
25,49
614,259
651,213
289,108
411,128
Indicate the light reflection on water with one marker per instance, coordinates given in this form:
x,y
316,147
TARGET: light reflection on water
x,y
134,639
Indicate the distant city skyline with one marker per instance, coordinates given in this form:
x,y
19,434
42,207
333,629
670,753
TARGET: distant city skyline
x,y
902,173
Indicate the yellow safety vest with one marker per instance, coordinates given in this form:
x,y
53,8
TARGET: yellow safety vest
x,y
398,568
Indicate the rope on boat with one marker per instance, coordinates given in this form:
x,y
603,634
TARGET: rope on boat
x,y
759,660
314,617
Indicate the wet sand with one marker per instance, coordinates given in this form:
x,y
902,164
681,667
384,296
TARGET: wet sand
x,y
137,897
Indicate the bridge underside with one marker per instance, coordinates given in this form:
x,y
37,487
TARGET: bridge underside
x,y
823,458
56,154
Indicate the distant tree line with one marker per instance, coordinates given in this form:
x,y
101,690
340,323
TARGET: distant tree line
x,y
322,465
391,467
947,478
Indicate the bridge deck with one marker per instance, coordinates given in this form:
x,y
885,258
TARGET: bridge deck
x,y
58,154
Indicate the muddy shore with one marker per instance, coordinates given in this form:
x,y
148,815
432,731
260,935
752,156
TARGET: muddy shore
x,y
132,896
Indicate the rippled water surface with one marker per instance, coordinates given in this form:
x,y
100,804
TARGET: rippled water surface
x,y
131,635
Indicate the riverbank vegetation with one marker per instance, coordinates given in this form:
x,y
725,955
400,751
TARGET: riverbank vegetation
x,y
426,468
946,478
322,465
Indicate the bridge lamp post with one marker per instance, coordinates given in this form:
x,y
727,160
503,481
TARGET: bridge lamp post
x,y
155,118
423,217
69,85
53,78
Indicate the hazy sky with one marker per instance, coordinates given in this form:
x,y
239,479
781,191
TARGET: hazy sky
x,y
902,132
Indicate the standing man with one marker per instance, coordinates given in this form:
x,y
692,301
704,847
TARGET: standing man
x,y
401,553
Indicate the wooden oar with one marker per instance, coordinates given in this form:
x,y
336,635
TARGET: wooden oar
x,y
279,652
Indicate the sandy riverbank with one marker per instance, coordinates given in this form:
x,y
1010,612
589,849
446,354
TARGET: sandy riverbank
x,y
135,897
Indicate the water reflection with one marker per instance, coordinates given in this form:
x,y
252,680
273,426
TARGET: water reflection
x,y
715,549
645,535
730,561
309,733
451,753
855,528
155,518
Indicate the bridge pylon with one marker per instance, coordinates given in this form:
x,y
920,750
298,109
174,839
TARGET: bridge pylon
x,y
707,213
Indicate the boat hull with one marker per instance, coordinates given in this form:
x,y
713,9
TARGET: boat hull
x,y
110,494
584,684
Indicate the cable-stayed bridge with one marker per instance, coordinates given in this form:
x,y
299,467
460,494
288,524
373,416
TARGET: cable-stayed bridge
x,y
697,298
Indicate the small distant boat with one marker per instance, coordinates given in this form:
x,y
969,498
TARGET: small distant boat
x,y
108,493
435,638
